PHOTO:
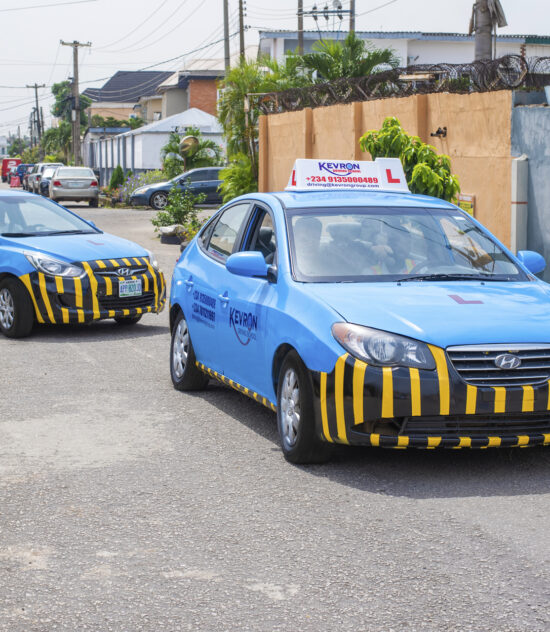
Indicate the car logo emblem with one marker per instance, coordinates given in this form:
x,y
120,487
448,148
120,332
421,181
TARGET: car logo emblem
x,y
124,272
507,361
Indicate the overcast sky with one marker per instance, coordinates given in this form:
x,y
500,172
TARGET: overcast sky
x,y
133,34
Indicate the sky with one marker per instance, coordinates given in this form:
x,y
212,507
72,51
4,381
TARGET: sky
x,y
134,34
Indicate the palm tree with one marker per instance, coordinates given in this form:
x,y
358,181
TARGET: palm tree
x,y
207,154
58,140
353,58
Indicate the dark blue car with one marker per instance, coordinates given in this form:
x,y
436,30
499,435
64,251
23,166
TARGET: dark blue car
x,y
205,180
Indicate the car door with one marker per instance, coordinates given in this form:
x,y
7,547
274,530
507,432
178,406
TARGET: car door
x,y
205,304
196,180
244,319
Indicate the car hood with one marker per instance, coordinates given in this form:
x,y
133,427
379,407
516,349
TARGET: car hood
x,y
446,314
81,247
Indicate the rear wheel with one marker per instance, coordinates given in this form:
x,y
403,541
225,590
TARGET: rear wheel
x,y
126,321
183,370
159,200
296,416
93,203
16,310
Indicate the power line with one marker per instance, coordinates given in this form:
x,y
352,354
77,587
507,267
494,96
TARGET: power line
x,y
375,8
40,6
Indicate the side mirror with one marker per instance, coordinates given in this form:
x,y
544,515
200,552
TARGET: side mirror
x,y
92,224
534,262
247,264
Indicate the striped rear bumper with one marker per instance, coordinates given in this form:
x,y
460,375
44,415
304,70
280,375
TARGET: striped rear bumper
x,y
401,407
95,295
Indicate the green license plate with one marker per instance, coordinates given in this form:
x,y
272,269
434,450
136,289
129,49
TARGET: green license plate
x,y
129,288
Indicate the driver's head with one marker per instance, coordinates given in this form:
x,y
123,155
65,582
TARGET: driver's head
x,y
307,232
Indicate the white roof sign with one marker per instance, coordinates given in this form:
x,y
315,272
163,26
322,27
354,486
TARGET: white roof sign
x,y
382,174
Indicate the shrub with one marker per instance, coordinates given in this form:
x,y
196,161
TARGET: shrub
x,y
137,180
117,179
426,171
180,210
238,177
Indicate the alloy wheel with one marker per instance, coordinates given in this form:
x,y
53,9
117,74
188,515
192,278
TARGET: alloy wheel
x,y
290,407
180,348
7,309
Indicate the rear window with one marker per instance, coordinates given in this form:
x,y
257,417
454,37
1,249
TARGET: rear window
x,y
75,173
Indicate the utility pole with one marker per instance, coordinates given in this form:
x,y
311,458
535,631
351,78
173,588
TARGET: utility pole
x,y
241,29
300,27
351,16
483,28
38,126
226,34
75,110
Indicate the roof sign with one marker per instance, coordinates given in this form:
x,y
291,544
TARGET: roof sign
x,y
382,174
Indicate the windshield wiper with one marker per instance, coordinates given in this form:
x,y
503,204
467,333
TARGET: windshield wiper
x,y
70,232
445,277
19,234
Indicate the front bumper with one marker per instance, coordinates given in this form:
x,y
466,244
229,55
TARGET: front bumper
x,y
400,408
139,199
95,295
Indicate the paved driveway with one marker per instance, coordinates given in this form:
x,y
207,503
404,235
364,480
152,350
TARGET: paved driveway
x,y
126,505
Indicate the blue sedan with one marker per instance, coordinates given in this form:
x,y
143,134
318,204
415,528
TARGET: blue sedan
x,y
57,268
371,317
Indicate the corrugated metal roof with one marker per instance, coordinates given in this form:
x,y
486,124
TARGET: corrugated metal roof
x,y
126,86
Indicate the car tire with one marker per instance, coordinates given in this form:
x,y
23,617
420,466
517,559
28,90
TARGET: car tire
x,y
93,203
183,370
127,321
296,414
159,200
16,310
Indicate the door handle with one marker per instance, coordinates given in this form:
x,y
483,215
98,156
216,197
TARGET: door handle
x,y
189,283
224,298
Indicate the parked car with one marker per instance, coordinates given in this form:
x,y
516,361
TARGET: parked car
x,y
25,178
21,170
44,186
363,314
33,181
205,180
57,268
7,164
76,184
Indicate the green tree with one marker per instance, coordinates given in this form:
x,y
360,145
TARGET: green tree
x,y
17,146
63,105
117,178
57,140
181,211
207,154
351,58
31,155
111,121
427,172
238,177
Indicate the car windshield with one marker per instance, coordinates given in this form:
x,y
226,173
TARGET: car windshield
x,y
75,173
393,244
30,216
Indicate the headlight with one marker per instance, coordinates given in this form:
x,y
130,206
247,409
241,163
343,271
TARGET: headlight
x,y
48,265
139,190
382,348
152,259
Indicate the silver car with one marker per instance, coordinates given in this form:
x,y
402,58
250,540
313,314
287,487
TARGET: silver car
x,y
33,181
77,184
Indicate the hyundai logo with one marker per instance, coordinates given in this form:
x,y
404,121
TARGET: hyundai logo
x,y
124,272
507,361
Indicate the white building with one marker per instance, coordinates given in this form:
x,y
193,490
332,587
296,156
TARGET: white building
x,y
3,146
140,149
411,47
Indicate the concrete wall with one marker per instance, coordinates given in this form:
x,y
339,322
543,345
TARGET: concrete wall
x,y
530,134
478,142
174,101
120,111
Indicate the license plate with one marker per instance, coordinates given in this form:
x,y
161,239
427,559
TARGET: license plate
x,y
129,288
73,185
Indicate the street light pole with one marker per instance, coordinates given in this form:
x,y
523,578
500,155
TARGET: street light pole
x,y
301,27
226,34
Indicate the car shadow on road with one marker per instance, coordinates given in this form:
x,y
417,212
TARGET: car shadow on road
x,y
410,473
102,330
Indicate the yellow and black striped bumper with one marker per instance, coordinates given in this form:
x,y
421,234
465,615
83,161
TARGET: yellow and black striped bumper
x,y
401,408
95,294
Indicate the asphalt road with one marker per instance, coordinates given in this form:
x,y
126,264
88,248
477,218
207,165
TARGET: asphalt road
x,y
127,506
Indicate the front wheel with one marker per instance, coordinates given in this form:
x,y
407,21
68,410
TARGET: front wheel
x,y
183,370
16,310
159,200
296,416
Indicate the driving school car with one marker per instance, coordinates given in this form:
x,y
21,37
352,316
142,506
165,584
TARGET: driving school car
x,y
57,268
363,314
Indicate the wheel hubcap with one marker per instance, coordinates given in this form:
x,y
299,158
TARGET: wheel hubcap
x,y
180,348
161,201
7,309
290,407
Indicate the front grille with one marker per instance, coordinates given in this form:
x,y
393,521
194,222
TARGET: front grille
x,y
476,364
114,302
469,426
114,273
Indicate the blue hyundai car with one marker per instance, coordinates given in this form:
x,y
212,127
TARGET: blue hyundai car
x,y
57,268
363,314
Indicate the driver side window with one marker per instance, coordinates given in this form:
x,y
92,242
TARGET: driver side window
x,y
262,238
